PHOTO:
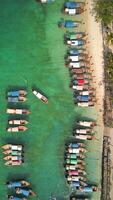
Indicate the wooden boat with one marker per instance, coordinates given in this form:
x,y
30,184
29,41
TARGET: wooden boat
x,y
81,82
80,87
74,35
10,197
86,92
74,51
86,104
13,158
26,192
84,137
74,156
75,58
75,145
16,129
76,172
75,65
40,96
18,122
79,42
12,147
74,161
74,167
75,178
82,131
16,99
17,183
78,71
68,24
45,1
89,189
80,76
17,93
76,150
83,98
14,163
18,111
86,123
73,11
12,153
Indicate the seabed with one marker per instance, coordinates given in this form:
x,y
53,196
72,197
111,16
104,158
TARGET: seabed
x,y
32,54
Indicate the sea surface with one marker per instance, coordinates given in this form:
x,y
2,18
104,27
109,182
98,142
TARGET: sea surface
x,y
32,55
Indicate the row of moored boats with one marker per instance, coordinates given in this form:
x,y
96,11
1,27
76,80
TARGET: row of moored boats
x,y
78,62
19,190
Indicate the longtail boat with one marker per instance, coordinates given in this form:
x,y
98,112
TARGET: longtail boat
x,y
18,122
86,123
75,65
81,82
80,76
17,183
79,42
16,129
74,58
84,137
75,145
17,93
14,163
18,111
13,158
74,35
13,153
10,197
83,98
75,178
78,71
86,92
71,4
68,24
86,104
74,167
12,147
74,51
40,96
74,161
73,11
82,131
89,189
16,99
45,1
74,156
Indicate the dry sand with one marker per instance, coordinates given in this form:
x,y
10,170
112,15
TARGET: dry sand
x,y
95,49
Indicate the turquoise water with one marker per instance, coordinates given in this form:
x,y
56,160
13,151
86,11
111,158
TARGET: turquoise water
x,y
32,54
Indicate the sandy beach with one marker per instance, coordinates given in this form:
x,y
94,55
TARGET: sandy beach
x,y
95,50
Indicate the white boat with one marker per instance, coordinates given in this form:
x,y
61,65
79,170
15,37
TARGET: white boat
x,y
40,96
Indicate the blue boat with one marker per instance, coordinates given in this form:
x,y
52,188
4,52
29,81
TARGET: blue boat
x,y
45,1
16,93
15,198
74,51
68,24
84,98
71,5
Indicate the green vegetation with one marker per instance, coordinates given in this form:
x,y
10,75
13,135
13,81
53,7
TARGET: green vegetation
x,y
109,66
104,10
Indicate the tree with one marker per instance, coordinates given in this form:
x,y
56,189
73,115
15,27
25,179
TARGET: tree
x,y
110,38
104,10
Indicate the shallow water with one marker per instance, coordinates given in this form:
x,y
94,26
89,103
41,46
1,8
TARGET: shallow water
x,y
32,54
